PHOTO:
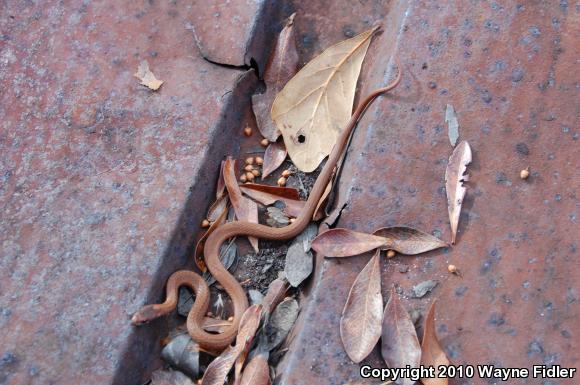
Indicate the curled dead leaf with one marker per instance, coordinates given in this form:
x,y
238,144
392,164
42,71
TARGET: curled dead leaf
x,y
274,156
199,258
409,241
360,323
246,209
282,65
454,178
146,76
345,243
315,105
276,293
400,346
432,354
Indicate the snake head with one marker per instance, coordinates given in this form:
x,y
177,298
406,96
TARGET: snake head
x,y
145,314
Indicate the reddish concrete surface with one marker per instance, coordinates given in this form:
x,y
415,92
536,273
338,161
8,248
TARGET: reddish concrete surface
x,y
103,182
508,69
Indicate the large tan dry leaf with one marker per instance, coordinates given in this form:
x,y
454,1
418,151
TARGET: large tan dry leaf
x,y
316,104
400,346
146,76
281,67
245,208
409,241
432,354
273,157
360,324
257,372
345,243
454,179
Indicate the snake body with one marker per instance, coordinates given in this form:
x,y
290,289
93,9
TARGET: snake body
x,y
218,342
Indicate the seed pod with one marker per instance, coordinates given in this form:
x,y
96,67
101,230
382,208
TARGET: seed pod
x,y
248,131
250,160
205,223
265,142
282,181
391,253
249,168
525,173
256,172
286,173
259,161
249,176
453,270
243,178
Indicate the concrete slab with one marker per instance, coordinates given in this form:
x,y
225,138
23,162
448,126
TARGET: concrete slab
x,y
104,182
508,71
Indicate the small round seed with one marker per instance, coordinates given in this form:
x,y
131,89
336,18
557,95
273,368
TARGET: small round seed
x,y
282,181
256,172
249,176
249,168
286,173
391,253
243,178
205,223
259,161
265,142
250,160
525,173
248,131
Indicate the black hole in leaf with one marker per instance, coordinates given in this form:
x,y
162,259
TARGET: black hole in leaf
x,y
301,139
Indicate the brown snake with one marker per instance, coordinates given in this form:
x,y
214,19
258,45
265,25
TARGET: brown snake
x,y
218,342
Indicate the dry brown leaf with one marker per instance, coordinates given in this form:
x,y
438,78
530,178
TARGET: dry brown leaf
x,y
315,105
274,156
217,371
257,372
146,76
319,212
282,66
454,179
292,207
283,192
360,324
199,257
276,293
246,209
344,243
407,240
400,346
432,354
217,208
248,327
221,184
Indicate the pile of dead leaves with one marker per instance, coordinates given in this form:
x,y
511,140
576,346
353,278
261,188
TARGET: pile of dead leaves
x,y
301,115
